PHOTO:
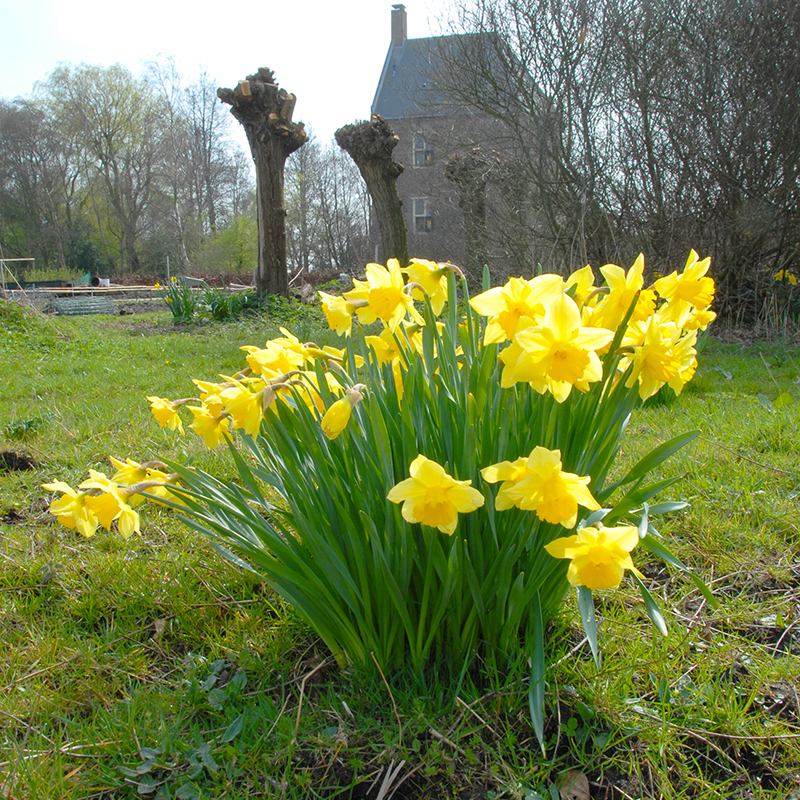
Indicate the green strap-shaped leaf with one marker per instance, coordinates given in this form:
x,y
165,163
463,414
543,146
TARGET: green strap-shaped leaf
x,y
658,456
637,496
644,521
538,669
660,549
653,611
589,620
667,508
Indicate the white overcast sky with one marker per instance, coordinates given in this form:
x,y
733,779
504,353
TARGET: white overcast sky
x,y
328,53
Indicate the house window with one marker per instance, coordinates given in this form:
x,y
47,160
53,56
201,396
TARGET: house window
x,y
422,156
423,221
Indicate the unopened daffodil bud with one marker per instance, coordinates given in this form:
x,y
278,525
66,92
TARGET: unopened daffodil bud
x,y
338,415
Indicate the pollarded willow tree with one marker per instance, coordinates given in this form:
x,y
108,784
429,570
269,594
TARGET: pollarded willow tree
x,y
265,112
370,145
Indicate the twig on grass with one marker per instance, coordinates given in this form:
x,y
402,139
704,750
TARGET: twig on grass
x,y
302,695
745,458
391,697
444,740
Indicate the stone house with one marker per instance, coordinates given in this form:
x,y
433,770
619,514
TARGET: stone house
x,y
484,216
432,126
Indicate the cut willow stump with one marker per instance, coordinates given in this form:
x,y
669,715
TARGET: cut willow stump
x,y
370,145
470,173
265,112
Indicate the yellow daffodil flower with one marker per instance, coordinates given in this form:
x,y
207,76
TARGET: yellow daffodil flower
x,y
110,504
278,356
559,354
510,473
244,407
432,277
622,290
692,289
583,281
272,360
385,296
164,412
545,488
645,305
434,498
654,359
132,472
338,312
687,355
699,320
335,419
208,389
71,510
599,556
128,471
660,355
518,303
210,422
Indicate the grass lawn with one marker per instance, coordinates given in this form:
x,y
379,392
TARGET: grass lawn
x,y
153,668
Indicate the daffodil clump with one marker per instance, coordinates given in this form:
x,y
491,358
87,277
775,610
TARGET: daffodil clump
x,y
432,492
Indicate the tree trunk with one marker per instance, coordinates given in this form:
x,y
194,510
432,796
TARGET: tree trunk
x,y
370,145
265,112
470,173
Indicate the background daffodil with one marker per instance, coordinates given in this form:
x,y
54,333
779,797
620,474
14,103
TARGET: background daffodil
x,y
71,510
165,413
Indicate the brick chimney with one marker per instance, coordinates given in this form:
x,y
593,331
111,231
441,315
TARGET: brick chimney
x,y
399,25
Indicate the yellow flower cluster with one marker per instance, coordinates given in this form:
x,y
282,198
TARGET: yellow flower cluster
x,y
558,329
536,483
285,364
105,500
554,335
598,556
239,402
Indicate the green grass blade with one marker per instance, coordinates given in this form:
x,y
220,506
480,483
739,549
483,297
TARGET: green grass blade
x,y
538,672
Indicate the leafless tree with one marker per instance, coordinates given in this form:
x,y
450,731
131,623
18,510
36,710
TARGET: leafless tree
x,y
647,125
370,145
265,112
327,210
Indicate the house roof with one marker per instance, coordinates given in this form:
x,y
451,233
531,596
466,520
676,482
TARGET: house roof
x,y
411,84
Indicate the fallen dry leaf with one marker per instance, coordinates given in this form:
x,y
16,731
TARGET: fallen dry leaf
x,y
574,785
160,626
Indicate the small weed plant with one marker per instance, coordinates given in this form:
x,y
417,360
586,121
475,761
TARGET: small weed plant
x,y
210,302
